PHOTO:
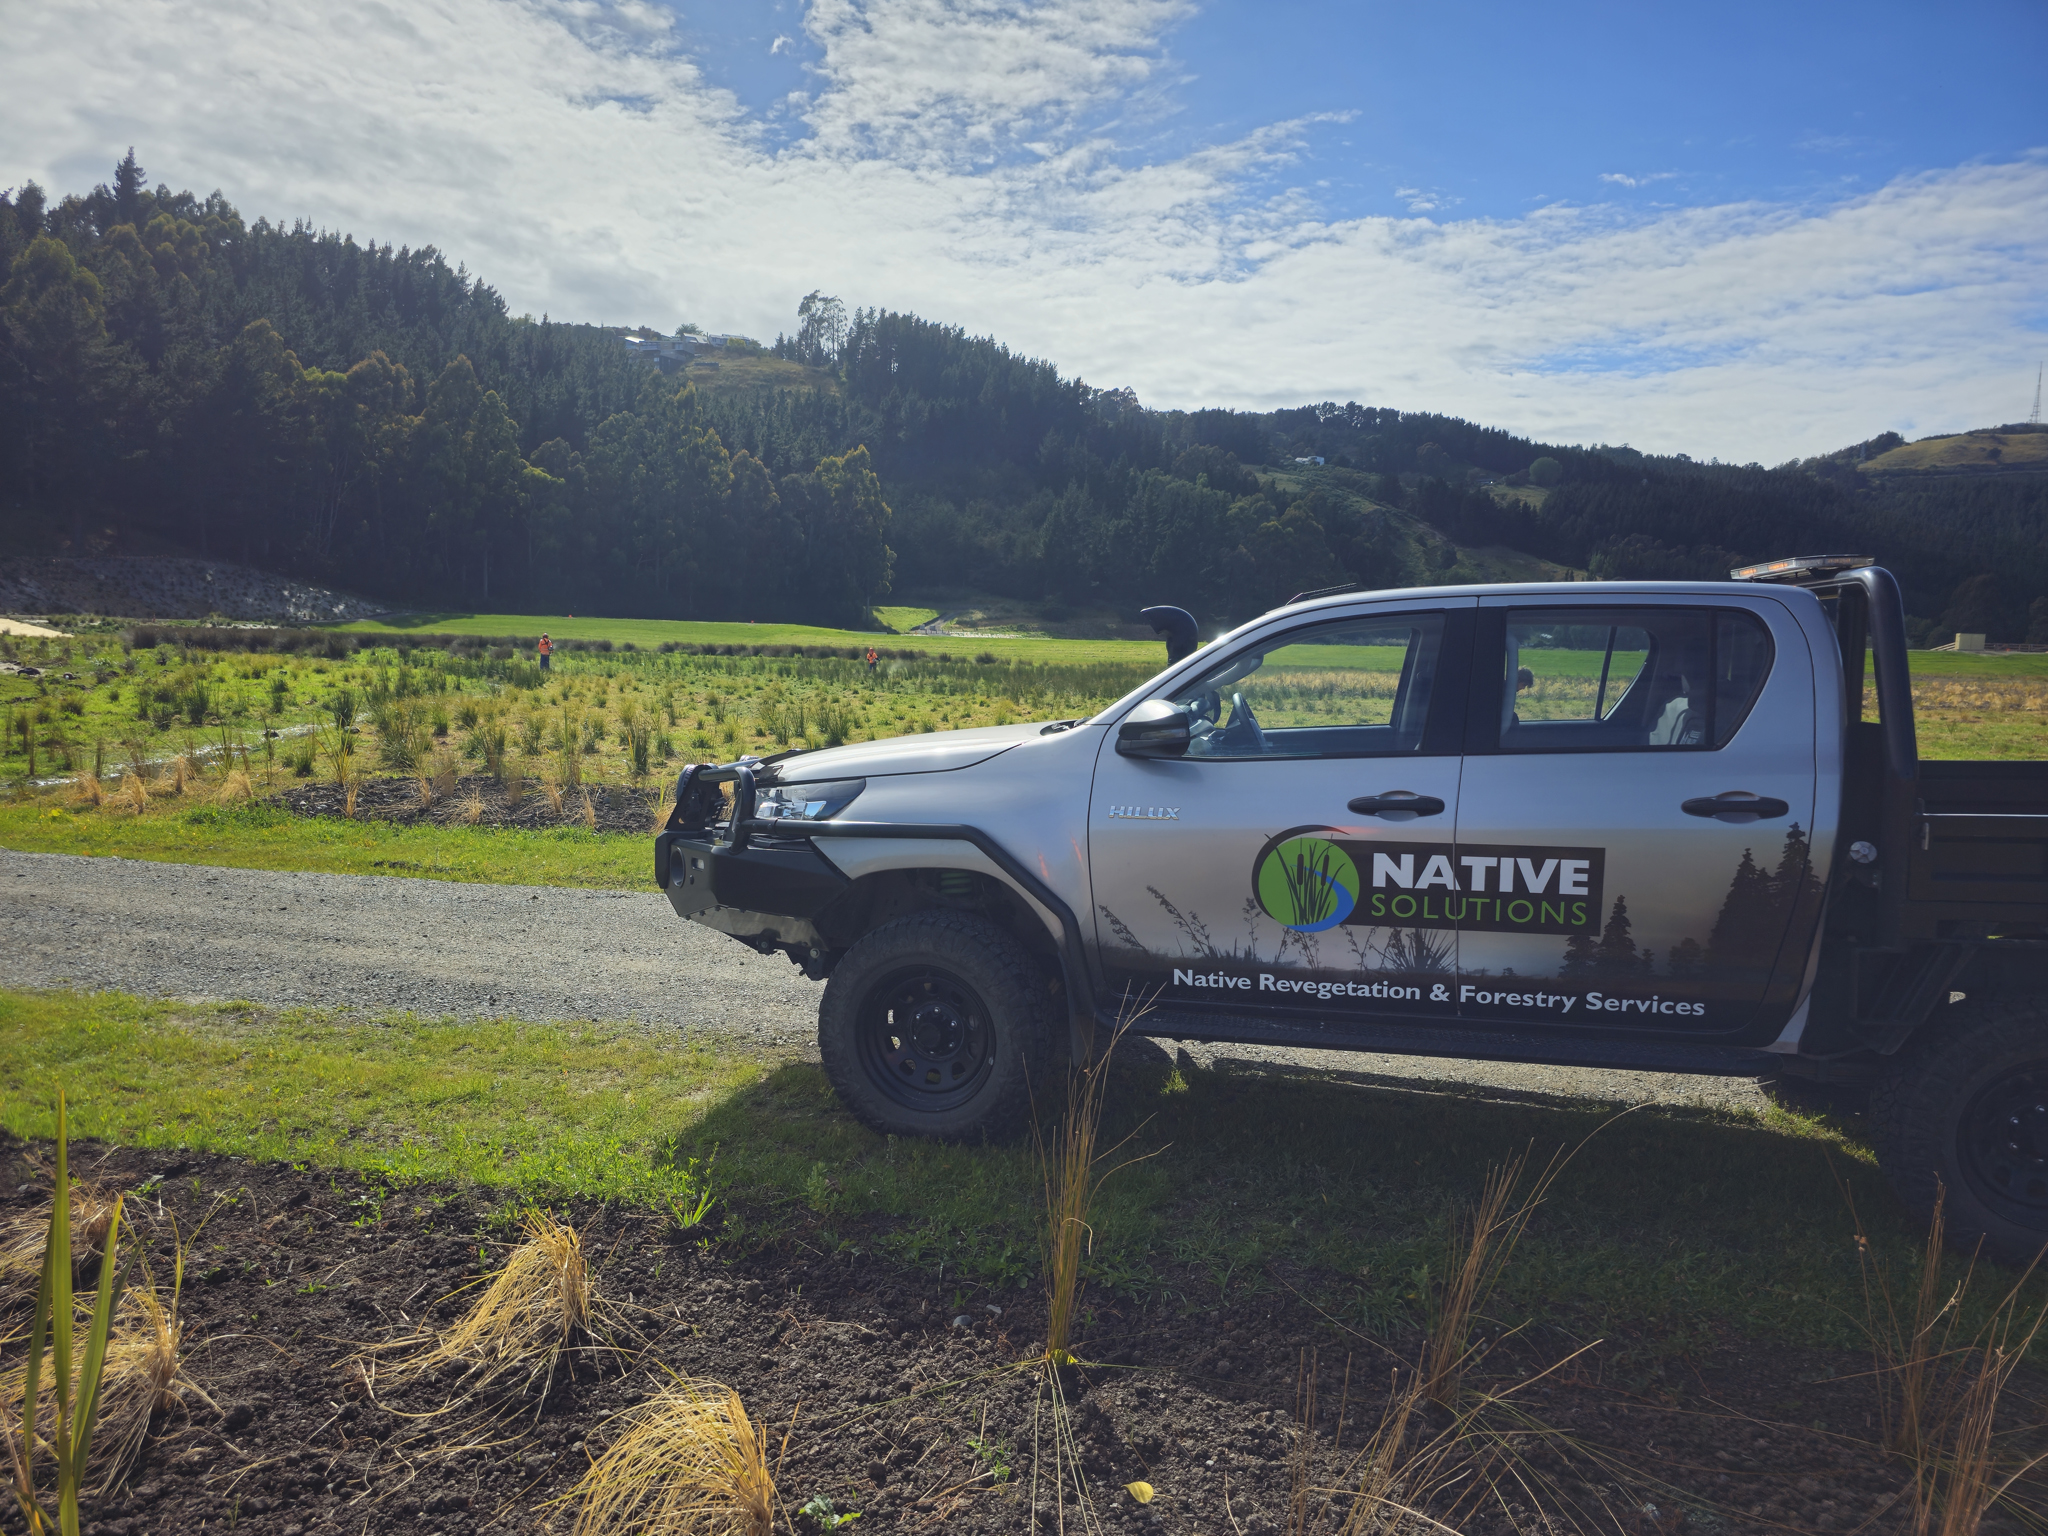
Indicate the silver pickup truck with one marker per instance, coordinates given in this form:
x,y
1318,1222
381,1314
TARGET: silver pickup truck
x,y
1666,826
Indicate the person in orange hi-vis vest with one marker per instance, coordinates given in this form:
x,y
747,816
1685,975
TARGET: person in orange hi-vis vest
x,y
547,649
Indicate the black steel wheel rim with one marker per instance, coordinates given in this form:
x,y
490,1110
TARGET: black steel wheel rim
x,y
926,1039
2005,1143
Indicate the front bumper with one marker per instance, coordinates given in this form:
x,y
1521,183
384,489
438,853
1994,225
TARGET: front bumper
x,y
777,879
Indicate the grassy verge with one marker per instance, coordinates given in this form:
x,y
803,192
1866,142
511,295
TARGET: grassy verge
x,y
263,837
1671,1225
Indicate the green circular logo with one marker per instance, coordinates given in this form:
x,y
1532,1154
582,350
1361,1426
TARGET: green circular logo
x,y
1306,883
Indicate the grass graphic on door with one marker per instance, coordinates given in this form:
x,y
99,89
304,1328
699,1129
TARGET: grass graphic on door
x,y
1307,884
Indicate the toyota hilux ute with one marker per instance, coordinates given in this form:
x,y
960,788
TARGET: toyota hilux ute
x,y
1645,825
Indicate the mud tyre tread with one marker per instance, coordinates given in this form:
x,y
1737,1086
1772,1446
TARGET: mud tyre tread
x,y
1008,983
1917,1107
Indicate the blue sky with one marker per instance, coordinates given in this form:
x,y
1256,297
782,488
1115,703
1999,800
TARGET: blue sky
x,y
1487,110
1740,231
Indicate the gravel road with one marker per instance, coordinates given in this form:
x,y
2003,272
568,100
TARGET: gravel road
x,y
367,943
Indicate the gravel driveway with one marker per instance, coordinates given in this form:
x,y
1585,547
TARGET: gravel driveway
x,y
369,942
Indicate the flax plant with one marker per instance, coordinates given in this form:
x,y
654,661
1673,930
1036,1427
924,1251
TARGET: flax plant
x,y
76,1398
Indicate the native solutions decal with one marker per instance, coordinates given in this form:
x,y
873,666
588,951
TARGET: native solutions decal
x,y
1311,879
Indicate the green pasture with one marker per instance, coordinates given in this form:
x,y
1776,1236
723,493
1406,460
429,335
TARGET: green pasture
x,y
1672,1227
651,633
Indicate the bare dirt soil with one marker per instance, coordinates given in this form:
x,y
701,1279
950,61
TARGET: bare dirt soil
x,y
477,800
898,1391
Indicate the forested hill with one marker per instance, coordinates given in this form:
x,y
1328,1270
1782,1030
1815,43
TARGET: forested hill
x,y
374,417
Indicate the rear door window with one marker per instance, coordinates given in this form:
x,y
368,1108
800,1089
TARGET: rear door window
x,y
1629,679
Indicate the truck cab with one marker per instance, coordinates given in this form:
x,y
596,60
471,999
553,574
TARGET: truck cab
x,y
1622,824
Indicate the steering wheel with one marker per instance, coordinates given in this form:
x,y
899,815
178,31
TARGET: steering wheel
x,y
1243,733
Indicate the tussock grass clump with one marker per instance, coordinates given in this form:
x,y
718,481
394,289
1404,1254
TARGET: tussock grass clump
x,y
589,811
472,808
91,793
144,1374
1938,1391
689,1462
24,1236
235,787
134,794
531,1314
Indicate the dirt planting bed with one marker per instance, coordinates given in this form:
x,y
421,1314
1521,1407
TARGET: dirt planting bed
x,y
477,800
898,1390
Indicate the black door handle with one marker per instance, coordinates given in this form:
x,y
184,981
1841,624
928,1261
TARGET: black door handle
x,y
1736,802
1399,800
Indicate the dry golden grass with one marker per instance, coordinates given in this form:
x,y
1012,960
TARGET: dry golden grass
x,y
445,776
664,803
235,787
531,1314
426,789
23,1235
1939,1394
688,1462
589,811
1072,1174
1981,694
134,794
182,773
144,1375
348,798
554,794
472,808
91,793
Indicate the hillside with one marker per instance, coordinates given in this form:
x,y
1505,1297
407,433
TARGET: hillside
x,y
365,418
1986,451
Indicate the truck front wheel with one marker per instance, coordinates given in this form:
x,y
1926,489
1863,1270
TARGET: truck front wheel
x,y
1969,1108
932,1026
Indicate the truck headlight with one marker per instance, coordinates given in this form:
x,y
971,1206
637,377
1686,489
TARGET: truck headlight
x,y
807,802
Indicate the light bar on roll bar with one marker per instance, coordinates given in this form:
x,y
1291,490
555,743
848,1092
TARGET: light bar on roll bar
x,y
1800,567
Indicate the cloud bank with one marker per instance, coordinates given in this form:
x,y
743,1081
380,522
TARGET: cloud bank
x,y
984,163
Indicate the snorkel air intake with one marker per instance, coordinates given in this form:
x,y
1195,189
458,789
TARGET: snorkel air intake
x,y
1178,626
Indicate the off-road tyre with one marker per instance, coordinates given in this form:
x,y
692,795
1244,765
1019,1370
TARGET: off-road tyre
x,y
937,1024
1969,1107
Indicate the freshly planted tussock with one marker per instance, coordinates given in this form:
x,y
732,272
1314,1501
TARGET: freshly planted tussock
x,y
90,791
689,1462
182,773
532,1313
589,811
426,788
25,1234
554,794
1939,1392
235,788
472,808
144,1375
1073,1176
664,803
134,794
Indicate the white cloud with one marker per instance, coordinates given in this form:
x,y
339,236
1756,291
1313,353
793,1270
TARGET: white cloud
x,y
782,44
963,160
1620,179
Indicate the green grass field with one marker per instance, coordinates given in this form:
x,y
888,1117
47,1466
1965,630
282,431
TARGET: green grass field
x,y
650,633
190,831
1676,1226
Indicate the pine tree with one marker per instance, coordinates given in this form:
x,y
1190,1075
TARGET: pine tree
x,y
1616,955
128,184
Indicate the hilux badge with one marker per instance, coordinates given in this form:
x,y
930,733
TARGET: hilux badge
x,y
1144,813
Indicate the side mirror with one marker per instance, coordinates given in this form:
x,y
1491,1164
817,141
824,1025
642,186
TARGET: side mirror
x,y
1154,729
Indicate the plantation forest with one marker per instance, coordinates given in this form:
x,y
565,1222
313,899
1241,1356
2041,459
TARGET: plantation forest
x,y
174,377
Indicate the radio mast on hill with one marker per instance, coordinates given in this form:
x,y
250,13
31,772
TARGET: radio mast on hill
x,y
2035,419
